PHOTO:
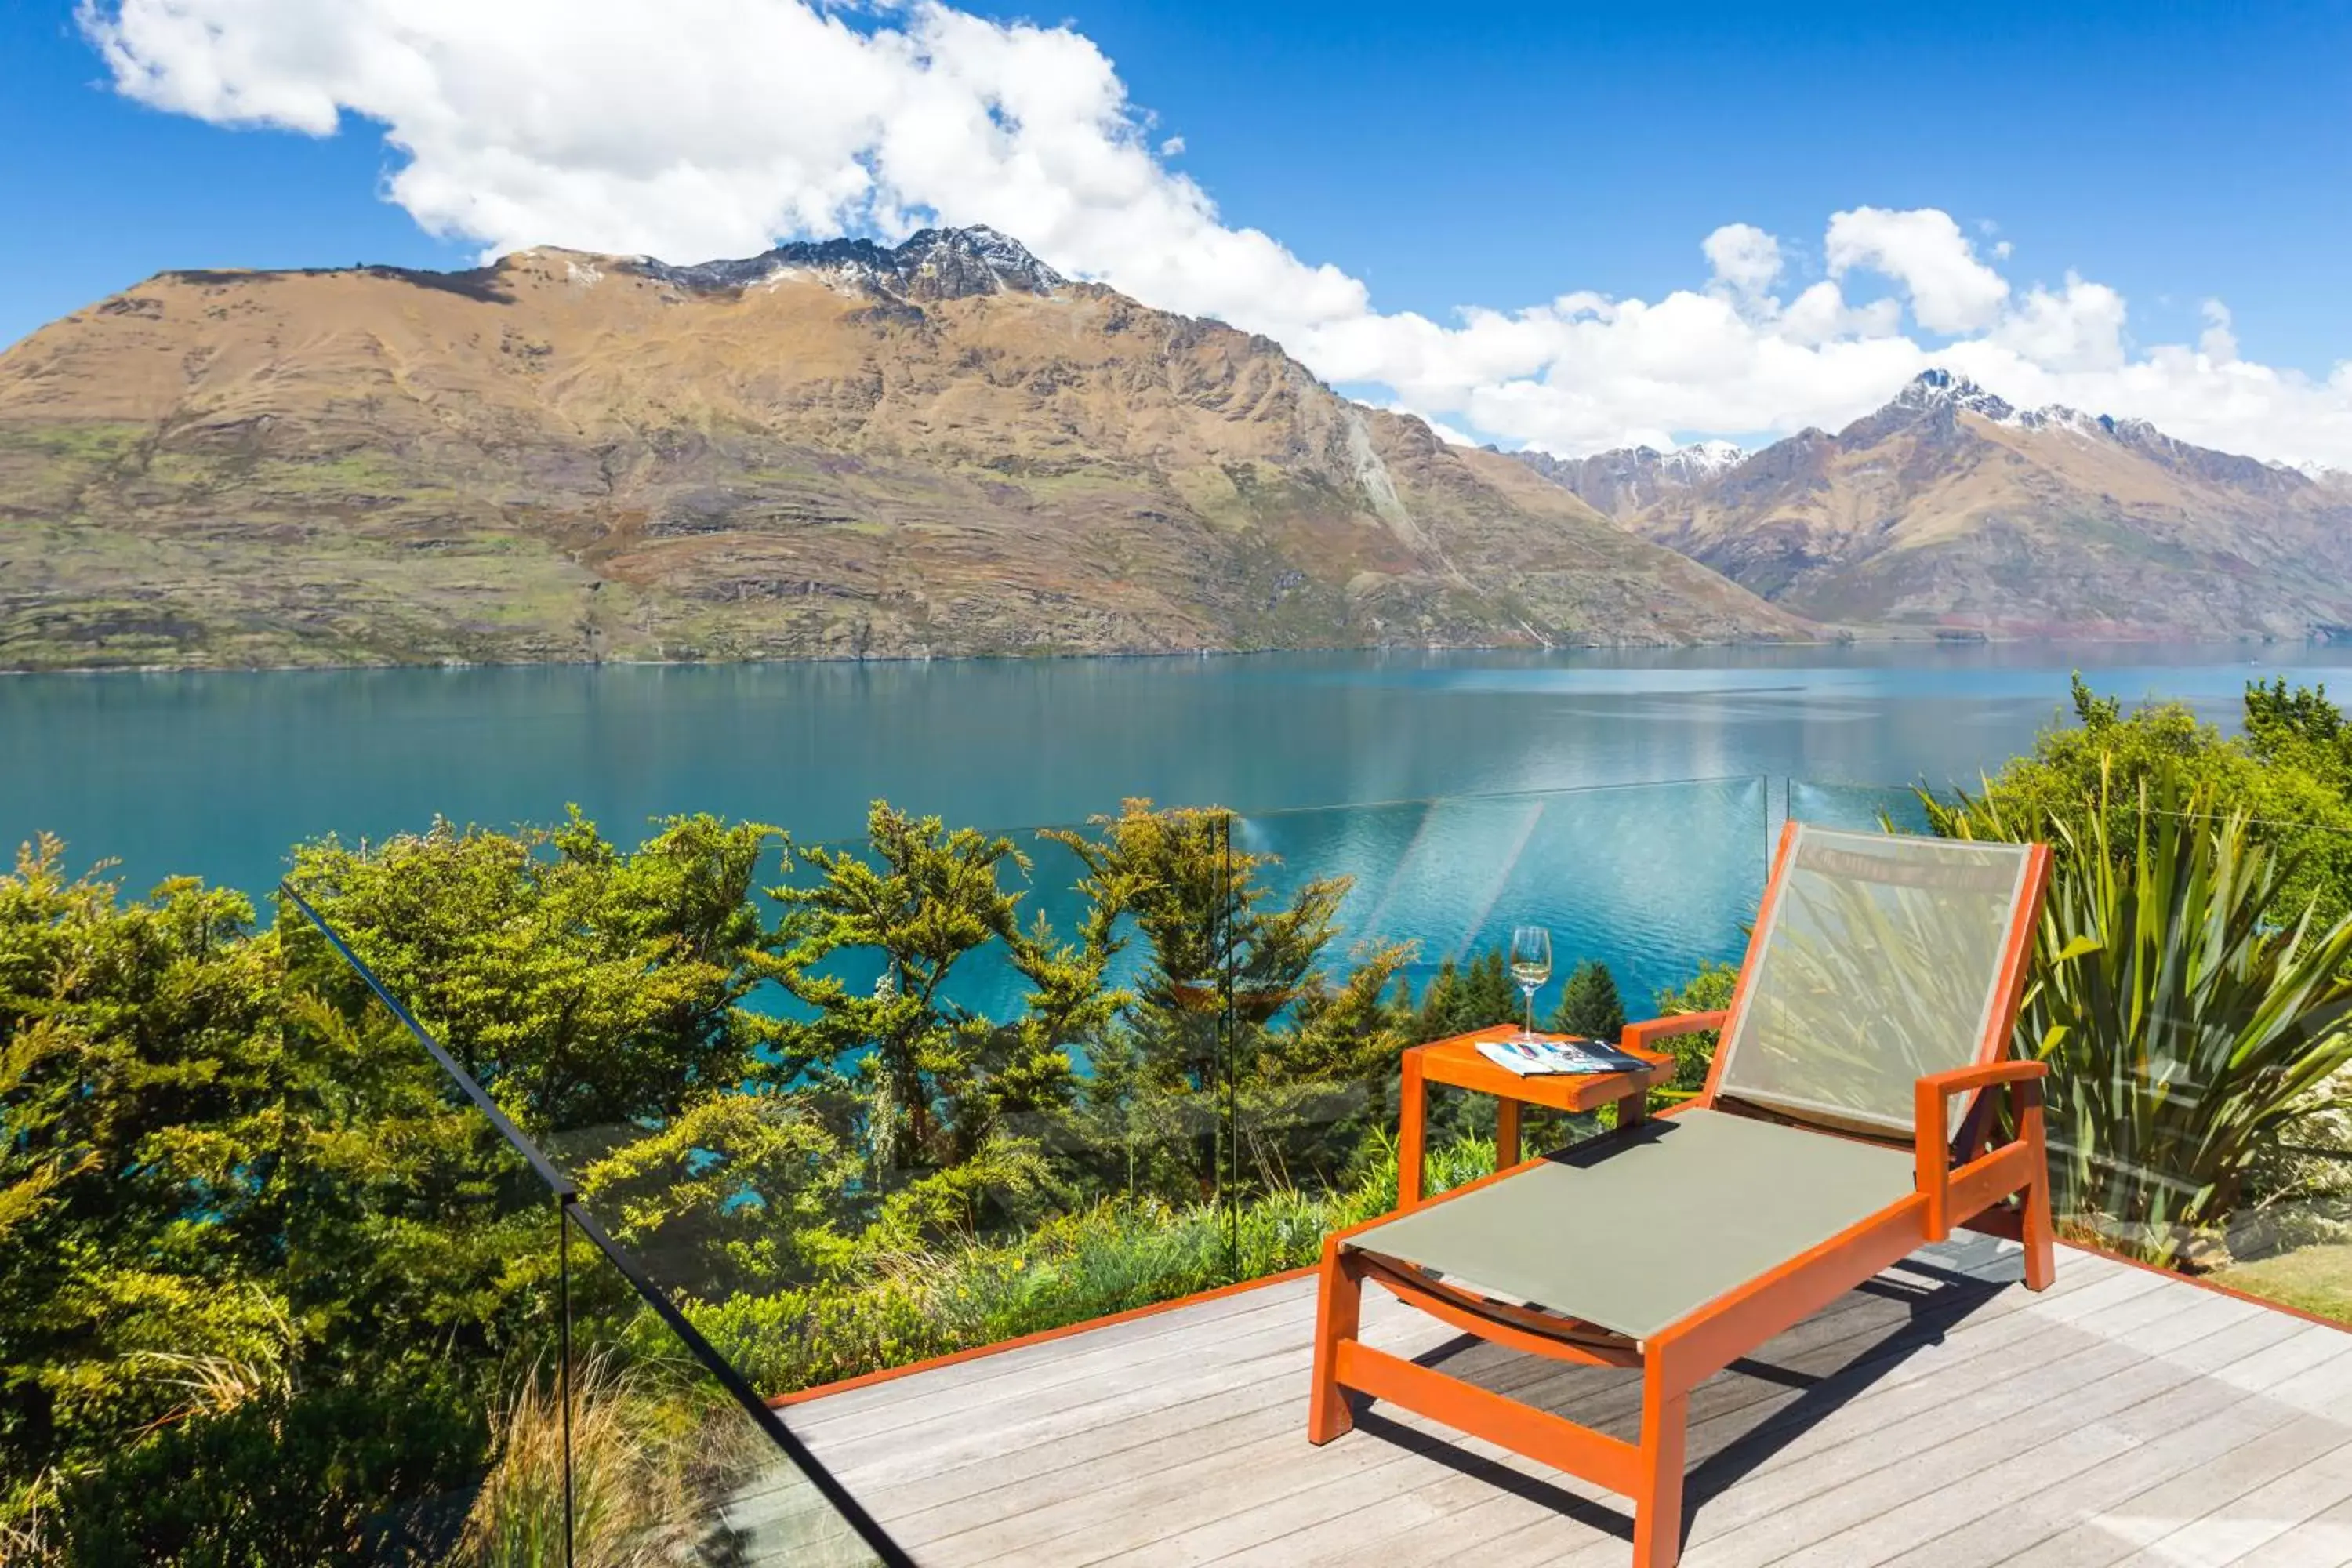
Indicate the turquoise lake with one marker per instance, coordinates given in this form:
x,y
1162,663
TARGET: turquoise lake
x,y
216,774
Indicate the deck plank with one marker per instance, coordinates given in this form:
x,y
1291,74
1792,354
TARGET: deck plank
x,y
2278,1506
2175,1440
2324,1541
884,1408
2058,1466
1943,1418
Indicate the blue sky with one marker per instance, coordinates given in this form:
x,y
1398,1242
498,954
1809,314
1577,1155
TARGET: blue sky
x,y
1475,154
1493,155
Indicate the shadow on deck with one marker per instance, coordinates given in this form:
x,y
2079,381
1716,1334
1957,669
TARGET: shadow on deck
x,y
1939,1416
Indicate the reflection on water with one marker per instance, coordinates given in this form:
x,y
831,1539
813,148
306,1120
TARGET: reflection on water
x,y
1651,879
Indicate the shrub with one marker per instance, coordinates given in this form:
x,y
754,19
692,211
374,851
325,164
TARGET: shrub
x,y
331,1475
650,1465
1708,991
2288,774
1112,1257
2188,1009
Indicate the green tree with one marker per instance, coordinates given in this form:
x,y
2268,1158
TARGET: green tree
x,y
2277,717
584,987
1590,1007
931,1078
1463,997
1216,933
1235,997
742,1190
2286,774
262,1275
140,1074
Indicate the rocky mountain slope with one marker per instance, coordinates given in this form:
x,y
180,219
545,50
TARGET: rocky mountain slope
x,y
830,450
1950,508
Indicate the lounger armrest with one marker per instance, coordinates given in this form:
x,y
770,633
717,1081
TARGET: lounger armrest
x,y
1932,1145
1638,1036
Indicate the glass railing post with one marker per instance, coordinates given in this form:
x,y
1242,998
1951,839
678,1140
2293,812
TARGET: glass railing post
x,y
1231,1028
563,1366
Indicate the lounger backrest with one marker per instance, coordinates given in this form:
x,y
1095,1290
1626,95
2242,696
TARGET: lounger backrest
x,y
1877,959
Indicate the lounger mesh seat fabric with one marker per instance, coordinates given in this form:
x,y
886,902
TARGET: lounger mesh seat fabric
x,y
1632,1233
1878,963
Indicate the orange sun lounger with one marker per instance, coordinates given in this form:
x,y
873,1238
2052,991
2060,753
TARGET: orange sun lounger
x,y
1845,1123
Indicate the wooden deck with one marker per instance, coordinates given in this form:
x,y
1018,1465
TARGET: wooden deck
x,y
1942,1415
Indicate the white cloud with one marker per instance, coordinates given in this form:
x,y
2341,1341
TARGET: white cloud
x,y
1745,259
2217,341
1924,251
702,127
2081,328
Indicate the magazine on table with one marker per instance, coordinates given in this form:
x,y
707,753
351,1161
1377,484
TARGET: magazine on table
x,y
1561,1054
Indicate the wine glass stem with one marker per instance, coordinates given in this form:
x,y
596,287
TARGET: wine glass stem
x,y
1531,1010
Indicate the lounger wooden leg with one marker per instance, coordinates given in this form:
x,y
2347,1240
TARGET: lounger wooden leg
x,y
2040,1235
1338,1301
1412,1110
1658,1511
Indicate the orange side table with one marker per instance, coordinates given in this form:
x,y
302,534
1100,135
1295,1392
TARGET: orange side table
x,y
1456,1061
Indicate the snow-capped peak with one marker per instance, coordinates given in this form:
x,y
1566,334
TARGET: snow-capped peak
x,y
932,264
1937,388
1940,388
1703,459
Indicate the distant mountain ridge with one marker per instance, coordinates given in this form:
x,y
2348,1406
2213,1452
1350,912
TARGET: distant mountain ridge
x,y
840,449
1950,508
1623,481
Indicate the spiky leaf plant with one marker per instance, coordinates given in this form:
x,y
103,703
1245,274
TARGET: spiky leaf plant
x,y
2189,1009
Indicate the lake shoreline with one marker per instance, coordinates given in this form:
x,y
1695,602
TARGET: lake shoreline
x,y
1875,637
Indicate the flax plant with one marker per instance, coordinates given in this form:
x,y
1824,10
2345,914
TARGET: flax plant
x,y
2191,1010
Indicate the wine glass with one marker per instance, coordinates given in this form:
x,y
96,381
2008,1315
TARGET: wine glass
x,y
1531,966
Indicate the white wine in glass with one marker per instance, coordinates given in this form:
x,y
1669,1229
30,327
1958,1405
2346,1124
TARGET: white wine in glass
x,y
1531,966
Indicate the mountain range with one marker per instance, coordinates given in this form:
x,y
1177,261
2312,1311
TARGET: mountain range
x,y
838,450
1629,481
846,449
1950,510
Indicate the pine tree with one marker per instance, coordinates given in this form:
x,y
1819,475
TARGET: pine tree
x,y
1461,998
1590,1007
